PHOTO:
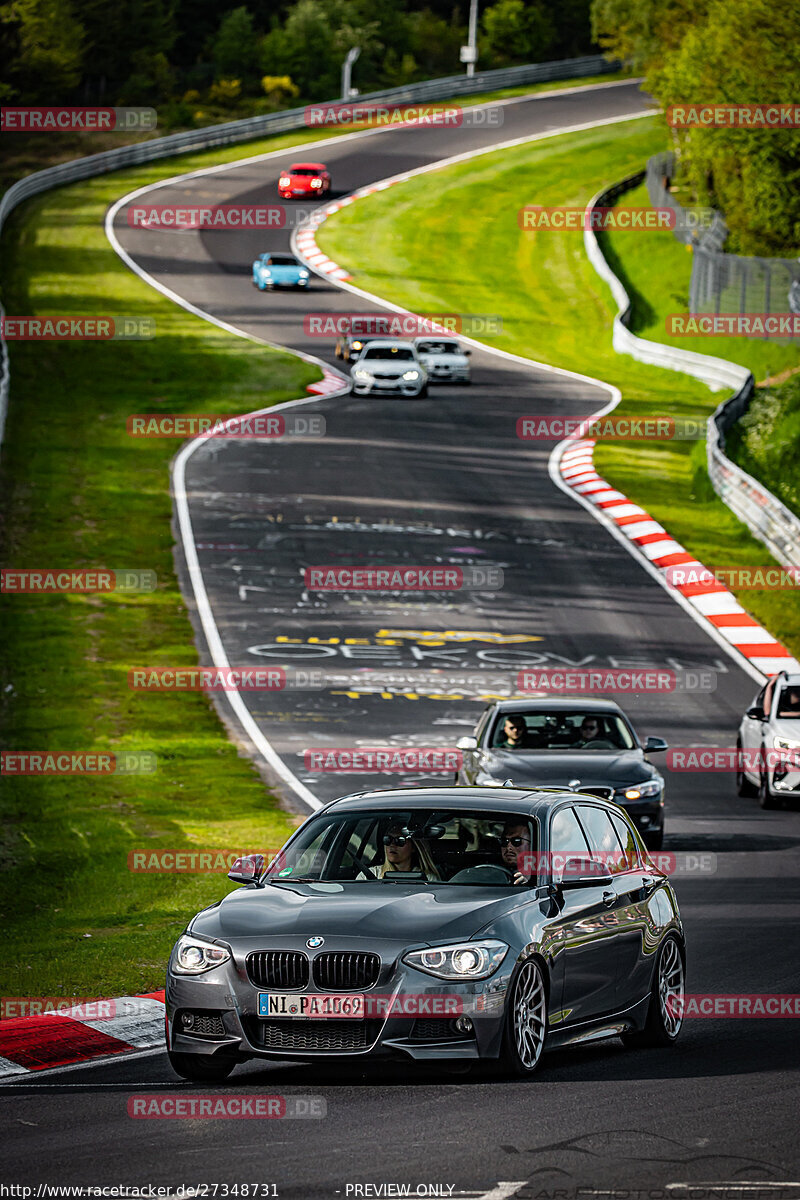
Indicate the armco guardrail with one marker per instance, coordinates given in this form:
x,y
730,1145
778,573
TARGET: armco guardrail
x,y
272,123
763,513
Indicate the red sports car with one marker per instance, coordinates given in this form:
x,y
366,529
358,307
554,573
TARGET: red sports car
x,y
304,179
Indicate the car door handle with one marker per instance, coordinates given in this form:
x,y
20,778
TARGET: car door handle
x,y
609,897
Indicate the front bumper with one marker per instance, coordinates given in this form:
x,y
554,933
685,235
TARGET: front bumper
x,y
401,387
448,374
226,1003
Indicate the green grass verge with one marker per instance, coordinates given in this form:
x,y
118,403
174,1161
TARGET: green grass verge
x,y
79,493
450,242
766,441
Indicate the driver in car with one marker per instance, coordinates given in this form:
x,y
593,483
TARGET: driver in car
x,y
590,731
515,734
514,841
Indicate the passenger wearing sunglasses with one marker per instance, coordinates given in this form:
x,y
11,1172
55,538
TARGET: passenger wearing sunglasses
x,y
403,853
514,841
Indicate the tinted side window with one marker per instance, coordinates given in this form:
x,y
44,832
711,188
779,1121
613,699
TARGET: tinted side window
x,y
566,835
628,840
603,839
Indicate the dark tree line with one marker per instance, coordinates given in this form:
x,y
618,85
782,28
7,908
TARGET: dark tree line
x,y
158,51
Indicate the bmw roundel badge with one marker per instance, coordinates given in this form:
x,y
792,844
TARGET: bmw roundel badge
x,y
314,942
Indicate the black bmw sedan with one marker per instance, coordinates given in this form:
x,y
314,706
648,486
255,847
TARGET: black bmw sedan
x,y
586,745
433,923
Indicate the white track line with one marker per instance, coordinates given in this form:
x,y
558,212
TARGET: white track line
x,y
210,629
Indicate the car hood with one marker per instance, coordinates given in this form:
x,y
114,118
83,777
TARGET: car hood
x,y
375,911
554,769
786,727
387,366
445,360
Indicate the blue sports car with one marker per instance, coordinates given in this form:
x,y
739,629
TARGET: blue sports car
x,y
279,270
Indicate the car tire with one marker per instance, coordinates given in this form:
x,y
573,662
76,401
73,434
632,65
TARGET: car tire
x,y
201,1067
655,839
422,394
766,798
669,983
526,1021
743,785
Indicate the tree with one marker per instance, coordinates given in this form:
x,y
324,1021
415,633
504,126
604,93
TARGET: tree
x,y
517,31
742,54
235,50
41,48
642,32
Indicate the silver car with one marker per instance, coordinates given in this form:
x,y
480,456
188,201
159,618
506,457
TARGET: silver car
x,y
389,365
769,743
444,359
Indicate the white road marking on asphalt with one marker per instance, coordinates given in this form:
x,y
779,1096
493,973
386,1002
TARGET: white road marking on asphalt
x,y
502,1191
210,629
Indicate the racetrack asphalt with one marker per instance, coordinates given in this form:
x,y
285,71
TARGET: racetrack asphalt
x,y
445,480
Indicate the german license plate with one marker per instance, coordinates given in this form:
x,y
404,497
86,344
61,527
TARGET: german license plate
x,y
287,1004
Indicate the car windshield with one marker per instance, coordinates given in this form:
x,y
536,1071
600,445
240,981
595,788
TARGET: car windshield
x,y
399,352
303,171
438,347
416,846
789,704
580,729
281,260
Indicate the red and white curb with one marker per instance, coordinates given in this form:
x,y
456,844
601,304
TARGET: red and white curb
x,y
100,1029
716,604
305,241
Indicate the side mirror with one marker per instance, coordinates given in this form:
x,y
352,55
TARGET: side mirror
x,y
467,743
655,745
247,869
581,871
755,713
468,352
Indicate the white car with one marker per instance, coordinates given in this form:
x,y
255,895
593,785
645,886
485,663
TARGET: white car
x,y
389,365
769,739
444,359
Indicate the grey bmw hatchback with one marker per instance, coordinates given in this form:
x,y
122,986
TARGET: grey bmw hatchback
x,y
450,923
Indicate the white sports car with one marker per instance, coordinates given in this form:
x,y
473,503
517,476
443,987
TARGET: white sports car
x,y
444,359
389,365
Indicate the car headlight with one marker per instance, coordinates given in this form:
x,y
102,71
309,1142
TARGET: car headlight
x,y
316,183
304,274
267,273
784,743
284,181
637,791
194,955
410,374
470,960
361,373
